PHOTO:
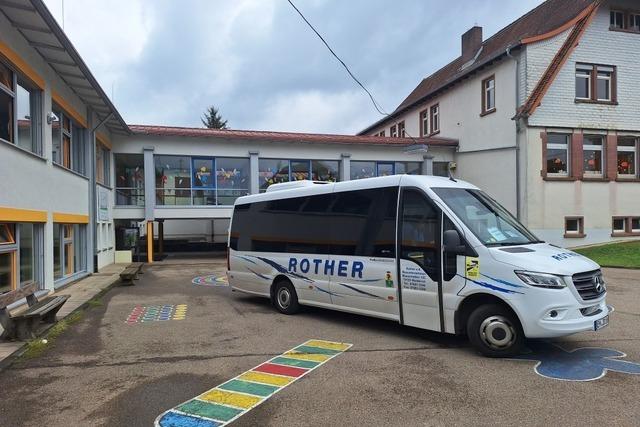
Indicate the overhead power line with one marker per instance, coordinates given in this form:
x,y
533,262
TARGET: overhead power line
x,y
346,67
375,103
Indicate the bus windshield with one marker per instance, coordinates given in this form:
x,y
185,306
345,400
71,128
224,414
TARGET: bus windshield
x,y
492,224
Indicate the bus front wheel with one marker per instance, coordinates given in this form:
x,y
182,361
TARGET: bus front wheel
x,y
495,331
284,297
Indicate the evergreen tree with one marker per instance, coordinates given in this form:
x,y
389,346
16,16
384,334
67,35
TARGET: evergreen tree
x,y
213,120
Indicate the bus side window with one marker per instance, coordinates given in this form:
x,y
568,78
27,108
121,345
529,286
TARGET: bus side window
x,y
420,230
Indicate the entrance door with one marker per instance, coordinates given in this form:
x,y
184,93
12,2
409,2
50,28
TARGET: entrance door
x,y
420,260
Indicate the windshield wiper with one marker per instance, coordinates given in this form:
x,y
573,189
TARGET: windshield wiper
x,y
507,244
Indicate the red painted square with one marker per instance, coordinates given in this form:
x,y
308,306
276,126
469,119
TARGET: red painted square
x,y
289,371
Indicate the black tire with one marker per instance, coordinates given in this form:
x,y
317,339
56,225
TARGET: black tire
x,y
495,331
284,297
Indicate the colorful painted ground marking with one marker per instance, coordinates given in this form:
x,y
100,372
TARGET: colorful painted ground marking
x,y
581,364
154,313
230,400
211,280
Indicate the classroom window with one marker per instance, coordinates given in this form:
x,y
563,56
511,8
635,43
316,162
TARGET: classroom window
x,y
435,118
401,131
627,226
325,170
68,143
8,250
595,83
441,169
393,131
489,95
574,226
558,154
385,169
103,164
19,112
360,170
634,22
616,19
410,168
272,171
129,176
173,179
593,153
69,244
424,123
232,179
627,157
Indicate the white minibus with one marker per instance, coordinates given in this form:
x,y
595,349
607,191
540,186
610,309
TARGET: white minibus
x,y
428,252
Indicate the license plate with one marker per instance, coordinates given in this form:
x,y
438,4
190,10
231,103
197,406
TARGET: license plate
x,y
601,323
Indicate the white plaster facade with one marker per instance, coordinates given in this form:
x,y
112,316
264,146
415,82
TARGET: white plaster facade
x,y
494,150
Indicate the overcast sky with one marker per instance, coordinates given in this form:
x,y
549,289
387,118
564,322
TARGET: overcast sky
x,y
167,60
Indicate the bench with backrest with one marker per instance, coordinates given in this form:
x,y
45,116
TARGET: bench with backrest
x,y
24,324
130,273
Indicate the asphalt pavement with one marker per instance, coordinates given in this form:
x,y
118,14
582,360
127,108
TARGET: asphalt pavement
x,y
150,347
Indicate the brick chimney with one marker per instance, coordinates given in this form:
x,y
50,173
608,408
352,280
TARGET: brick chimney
x,y
471,42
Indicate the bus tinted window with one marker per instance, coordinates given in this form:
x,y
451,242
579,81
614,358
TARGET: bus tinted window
x,y
361,223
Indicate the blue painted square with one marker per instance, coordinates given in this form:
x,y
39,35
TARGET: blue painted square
x,y
174,419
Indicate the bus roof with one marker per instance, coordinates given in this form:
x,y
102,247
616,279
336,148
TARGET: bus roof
x,y
310,187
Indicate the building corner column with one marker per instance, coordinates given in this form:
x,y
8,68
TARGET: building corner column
x,y
345,167
427,164
254,172
149,198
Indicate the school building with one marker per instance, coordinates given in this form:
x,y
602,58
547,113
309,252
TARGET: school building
x,y
541,115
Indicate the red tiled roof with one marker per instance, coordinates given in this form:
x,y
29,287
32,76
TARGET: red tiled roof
x,y
549,16
286,136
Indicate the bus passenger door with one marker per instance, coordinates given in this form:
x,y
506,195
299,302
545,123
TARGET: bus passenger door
x,y
419,264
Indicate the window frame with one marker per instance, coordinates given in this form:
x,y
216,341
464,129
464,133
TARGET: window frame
x,y
594,148
434,119
402,133
579,233
35,110
104,166
613,15
626,20
635,149
592,73
628,229
485,91
393,131
556,146
76,136
424,122
137,193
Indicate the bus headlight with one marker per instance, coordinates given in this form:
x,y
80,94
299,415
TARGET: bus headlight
x,y
541,280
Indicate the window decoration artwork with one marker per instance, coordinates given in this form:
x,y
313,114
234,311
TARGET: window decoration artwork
x,y
593,154
129,169
361,170
627,157
557,154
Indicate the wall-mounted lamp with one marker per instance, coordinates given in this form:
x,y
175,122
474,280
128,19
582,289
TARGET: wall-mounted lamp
x,y
51,117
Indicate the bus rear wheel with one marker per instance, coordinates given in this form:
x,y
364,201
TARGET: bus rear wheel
x,y
284,297
495,331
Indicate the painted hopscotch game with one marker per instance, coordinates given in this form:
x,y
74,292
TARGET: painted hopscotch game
x,y
230,400
155,313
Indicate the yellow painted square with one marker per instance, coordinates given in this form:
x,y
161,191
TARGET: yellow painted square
x,y
329,345
261,377
305,356
229,398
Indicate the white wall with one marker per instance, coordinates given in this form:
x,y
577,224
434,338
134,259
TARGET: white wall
x,y
460,109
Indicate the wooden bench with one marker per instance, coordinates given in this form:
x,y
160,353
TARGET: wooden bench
x,y
24,324
130,273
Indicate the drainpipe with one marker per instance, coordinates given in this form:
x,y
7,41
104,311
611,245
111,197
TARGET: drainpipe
x,y
517,100
93,199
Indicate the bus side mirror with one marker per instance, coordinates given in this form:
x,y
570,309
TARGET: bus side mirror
x,y
452,243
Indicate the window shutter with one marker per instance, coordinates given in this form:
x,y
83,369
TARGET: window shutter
x,y
612,157
576,155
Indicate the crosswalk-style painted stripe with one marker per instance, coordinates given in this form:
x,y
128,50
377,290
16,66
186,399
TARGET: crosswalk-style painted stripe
x,y
230,400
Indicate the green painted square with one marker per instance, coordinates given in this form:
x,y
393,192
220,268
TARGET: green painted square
x,y
249,387
309,364
209,410
315,350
